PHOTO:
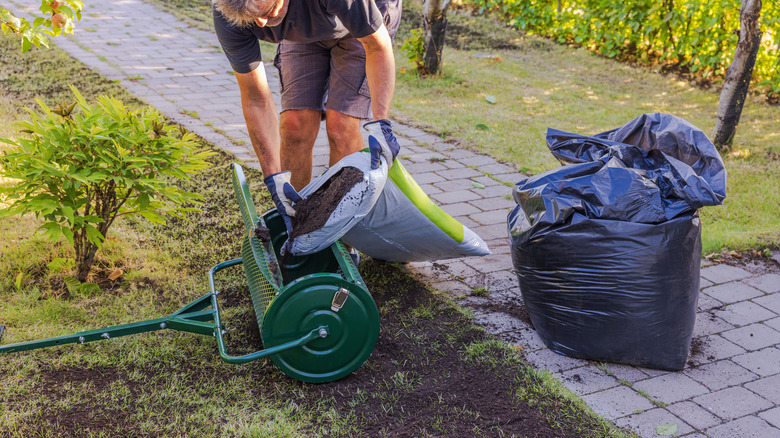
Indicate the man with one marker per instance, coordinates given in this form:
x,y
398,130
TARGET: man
x,y
330,54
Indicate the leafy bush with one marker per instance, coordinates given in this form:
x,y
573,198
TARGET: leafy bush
x,y
80,170
698,35
415,48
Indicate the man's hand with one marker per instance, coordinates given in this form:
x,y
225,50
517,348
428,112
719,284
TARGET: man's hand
x,y
283,195
381,142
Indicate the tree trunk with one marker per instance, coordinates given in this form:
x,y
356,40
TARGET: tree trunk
x,y
84,259
738,75
435,21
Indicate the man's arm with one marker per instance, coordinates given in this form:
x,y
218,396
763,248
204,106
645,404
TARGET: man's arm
x,y
380,71
261,118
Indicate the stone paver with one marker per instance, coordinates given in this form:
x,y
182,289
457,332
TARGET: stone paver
x,y
715,347
732,292
587,380
753,336
721,374
647,423
723,273
772,416
764,362
626,373
769,283
694,414
728,388
745,427
732,403
617,402
771,302
552,361
768,387
671,388
744,313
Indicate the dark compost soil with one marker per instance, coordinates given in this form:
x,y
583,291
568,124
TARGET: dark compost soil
x,y
312,212
425,378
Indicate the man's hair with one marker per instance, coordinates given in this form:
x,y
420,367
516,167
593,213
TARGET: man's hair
x,y
240,13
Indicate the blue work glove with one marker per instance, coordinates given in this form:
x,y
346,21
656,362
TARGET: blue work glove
x,y
283,195
381,142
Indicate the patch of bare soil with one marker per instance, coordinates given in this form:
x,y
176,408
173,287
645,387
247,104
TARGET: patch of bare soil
x,y
755,262
82,417
419,381
697,354
422,379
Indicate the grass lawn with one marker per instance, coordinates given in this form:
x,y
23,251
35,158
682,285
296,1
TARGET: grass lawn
x,y
433,373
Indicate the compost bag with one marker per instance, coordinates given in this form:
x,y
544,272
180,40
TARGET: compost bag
x,y
607,248
334,202
406,226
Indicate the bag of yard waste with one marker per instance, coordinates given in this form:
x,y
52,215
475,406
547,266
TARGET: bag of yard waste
x,y
334,202
406,226
607,249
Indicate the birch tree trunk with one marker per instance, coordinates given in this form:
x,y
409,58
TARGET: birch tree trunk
x,y
738,75
435,21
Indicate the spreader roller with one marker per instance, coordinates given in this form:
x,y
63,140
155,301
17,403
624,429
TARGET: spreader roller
x,y
294,296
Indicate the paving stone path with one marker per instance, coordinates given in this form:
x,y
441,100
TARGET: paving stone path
x,y
731,387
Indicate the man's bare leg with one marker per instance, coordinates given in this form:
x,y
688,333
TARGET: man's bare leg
x,y
344,139
343,135
299,130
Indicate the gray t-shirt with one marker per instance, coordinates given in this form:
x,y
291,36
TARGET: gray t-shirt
x,y
306,21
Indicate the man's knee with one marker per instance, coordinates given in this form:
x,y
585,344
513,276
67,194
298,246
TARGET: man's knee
x,y
342,129
300,127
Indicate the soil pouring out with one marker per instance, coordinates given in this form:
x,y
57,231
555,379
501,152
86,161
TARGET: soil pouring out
x,y
312,212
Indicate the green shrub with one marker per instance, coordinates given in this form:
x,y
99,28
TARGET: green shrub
x,y
415,48
85,165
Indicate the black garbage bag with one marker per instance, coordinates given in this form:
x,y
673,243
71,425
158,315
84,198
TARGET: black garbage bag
x,y
607,249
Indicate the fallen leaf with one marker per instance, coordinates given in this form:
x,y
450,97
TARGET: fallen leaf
x,y
477,185
116,274
666,429
482,126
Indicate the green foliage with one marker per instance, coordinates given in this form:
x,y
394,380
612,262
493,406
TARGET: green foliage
x,y
57,17
480,291
697,35
415,48
80,170
76,287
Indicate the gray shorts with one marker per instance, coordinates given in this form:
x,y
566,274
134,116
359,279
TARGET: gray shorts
x,y
329,74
